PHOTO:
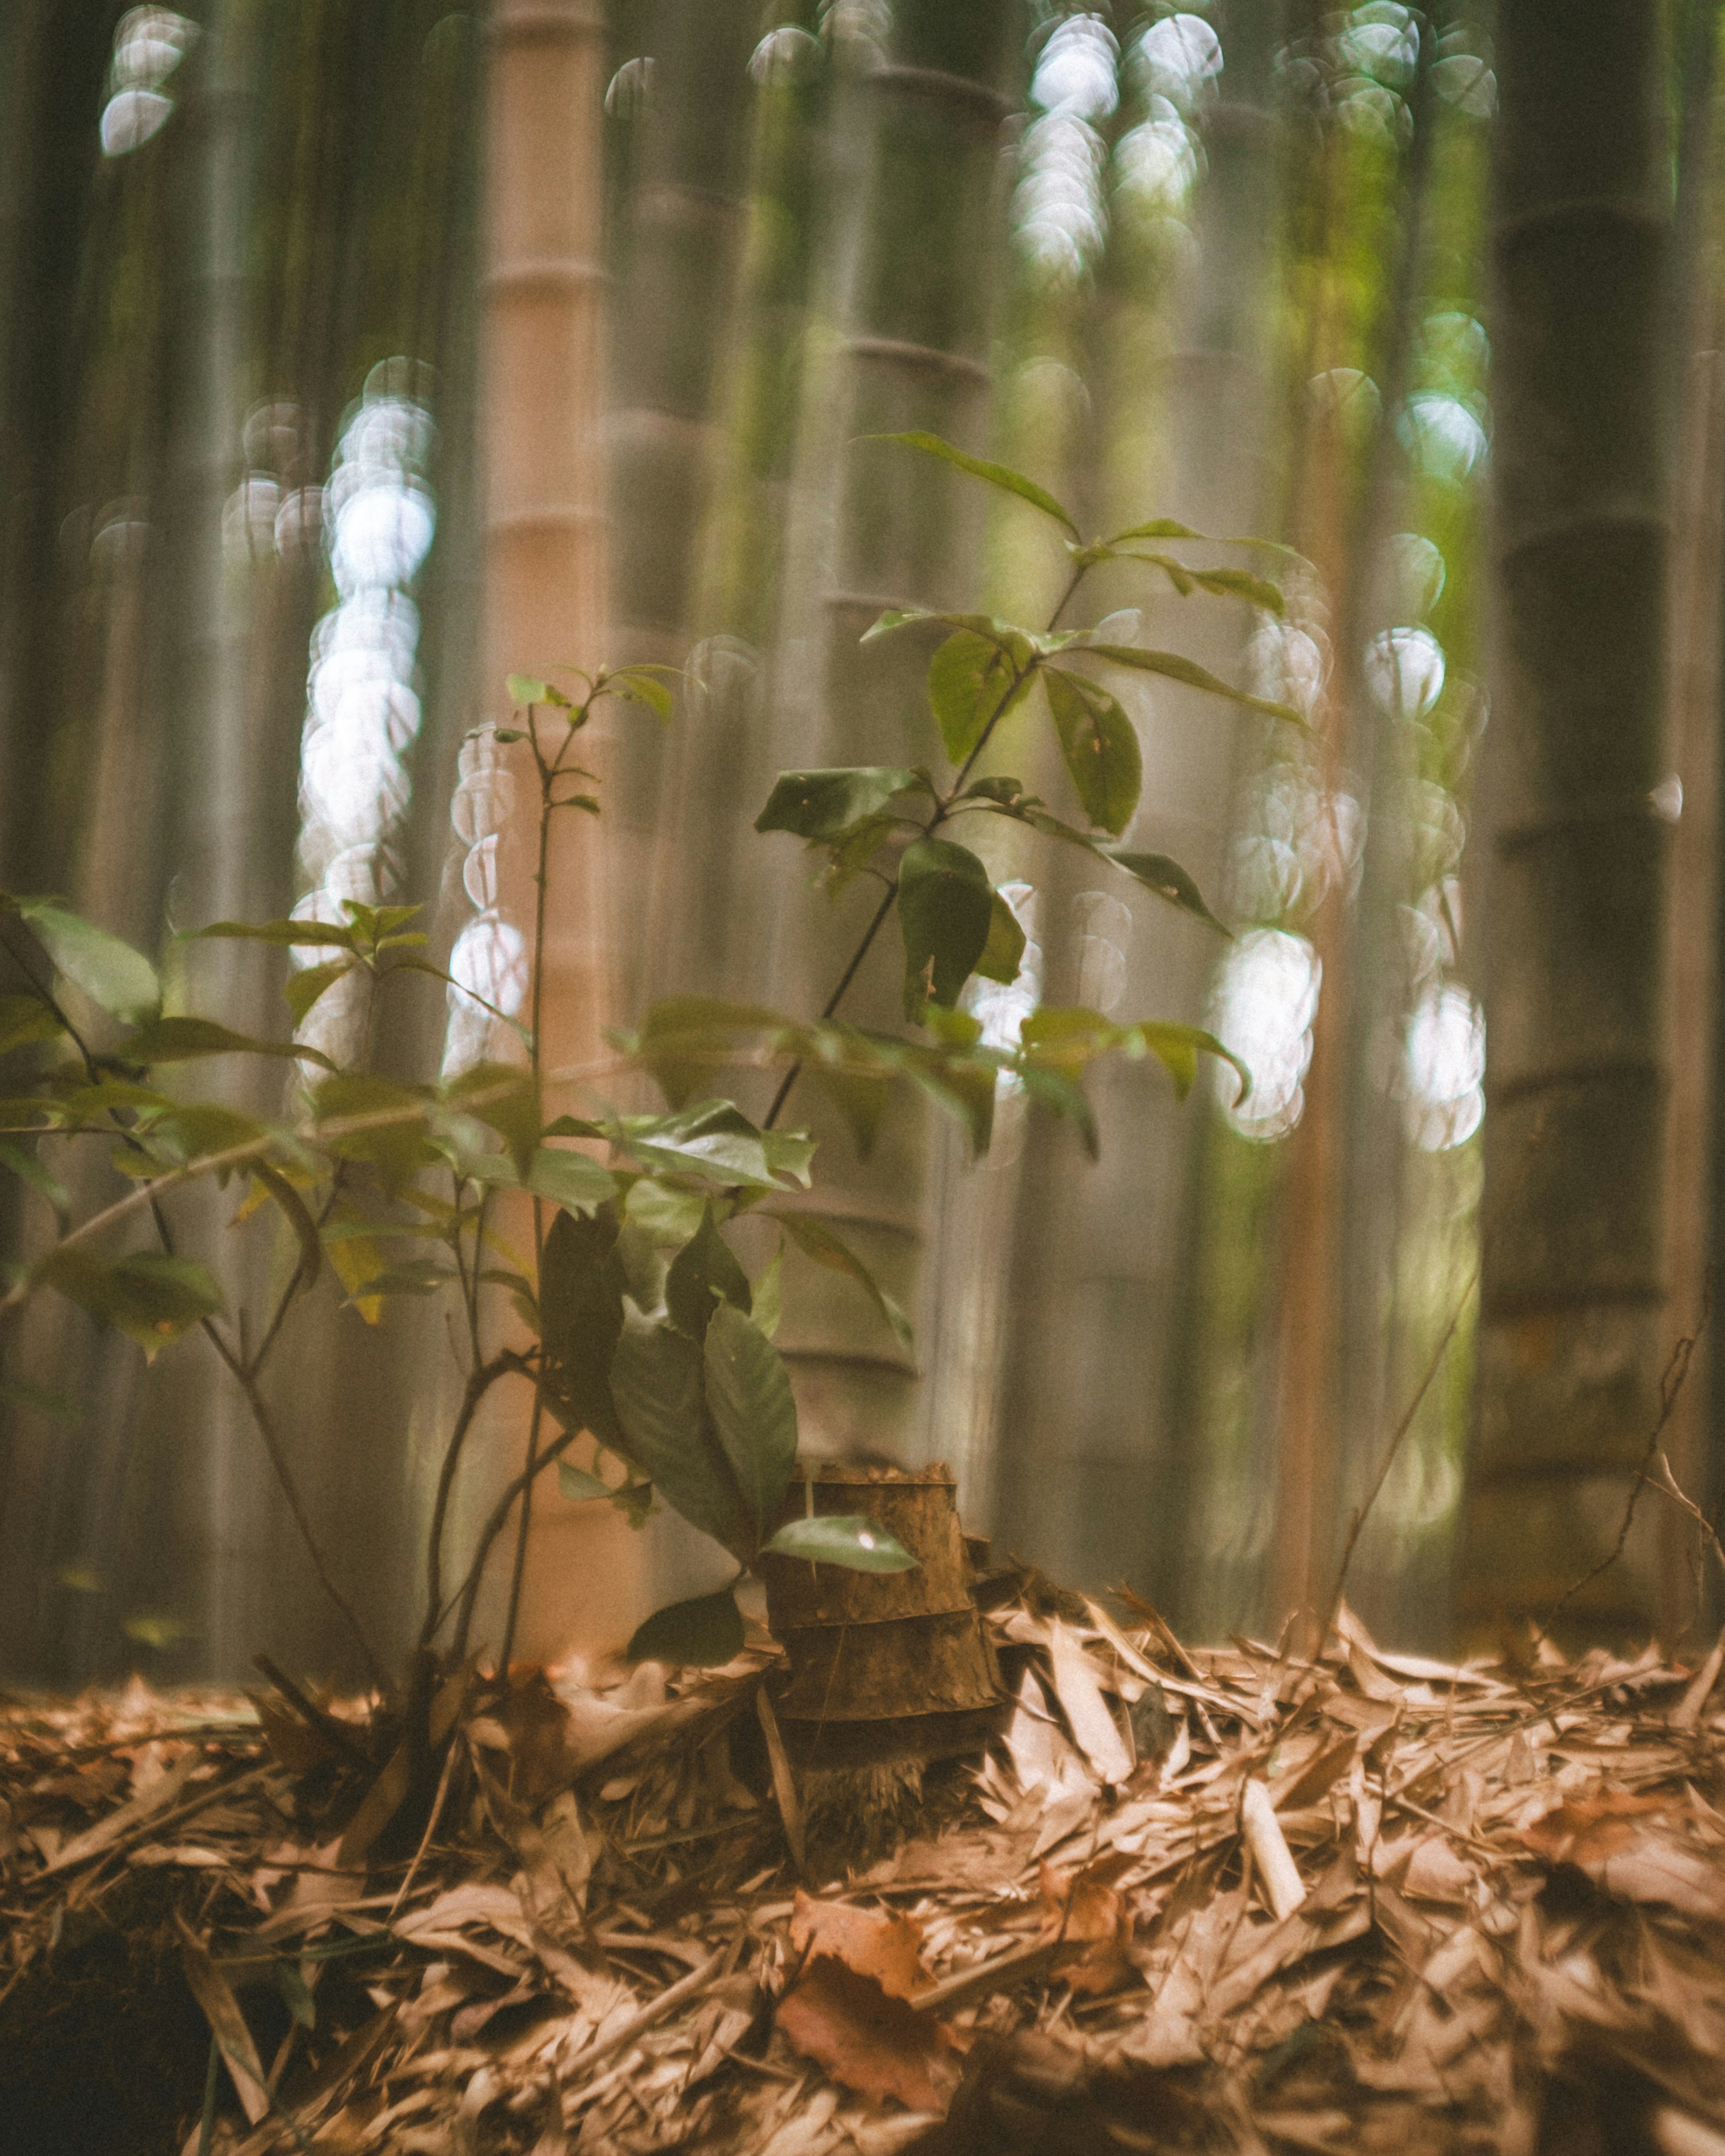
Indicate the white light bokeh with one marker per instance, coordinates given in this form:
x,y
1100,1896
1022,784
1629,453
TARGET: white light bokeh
x,y
149,44
1058,207
363,711
1264,1006
1444,437
1405,671
1444,1068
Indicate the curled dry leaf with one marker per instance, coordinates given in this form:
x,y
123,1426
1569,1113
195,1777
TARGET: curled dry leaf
x,y
868,2039
1085,1916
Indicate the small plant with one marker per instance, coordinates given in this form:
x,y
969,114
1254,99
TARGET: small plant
x,y
637,1325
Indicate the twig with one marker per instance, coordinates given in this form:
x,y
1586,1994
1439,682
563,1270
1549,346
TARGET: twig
x,y
1670,1389
331,1727
479,1383
656,2009
436,1806
1387,1459
247,1385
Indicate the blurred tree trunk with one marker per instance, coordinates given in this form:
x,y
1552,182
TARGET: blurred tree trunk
x,y
545,569
1574,1301
1093,1429
920,128
669,336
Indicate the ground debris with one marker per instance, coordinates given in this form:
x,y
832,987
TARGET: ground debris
x,y
1222,1900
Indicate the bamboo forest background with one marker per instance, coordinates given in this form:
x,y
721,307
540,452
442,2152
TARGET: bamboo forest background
x,y
301,302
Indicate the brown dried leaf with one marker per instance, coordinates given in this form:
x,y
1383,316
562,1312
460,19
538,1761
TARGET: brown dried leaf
x,y
862,2036
887,1948
239,2054
1585,1831
1084,1911
1087,1710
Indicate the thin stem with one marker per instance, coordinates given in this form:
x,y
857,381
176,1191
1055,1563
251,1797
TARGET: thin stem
x,y
467,1594
547,779
479,1383
247,1385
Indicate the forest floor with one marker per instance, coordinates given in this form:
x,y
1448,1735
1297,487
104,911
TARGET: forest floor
x,y
1224,1900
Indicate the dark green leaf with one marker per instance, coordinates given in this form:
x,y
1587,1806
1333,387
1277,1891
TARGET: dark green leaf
x,y
704,1272
310,933
304,985
1004,792
845,1539
116,979
1100,748
581,1314
1174,668
1000,476
822,804
712,1139
657,1382
296,1993
699,1634
748,1396
179,1039
860,1099
816,1240
945,912
1156,872
972,682
24,1019
152,1299
964,1088
570,1179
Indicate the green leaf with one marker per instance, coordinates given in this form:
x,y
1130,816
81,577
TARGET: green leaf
x,y
664,1213
842,1538
1177,1048
972,681
581,1314
503,1096
27,1164
116,979
1158,527
964,1087
24,1019
634,1498
766,1299
640,684
1156,872
657,1382
999,792
1000,476
822,804
1066,1097
304,985
200,1128
296,1994
397,1148
790,1153
945,912
860,1101
699,1634
712,1139
704,1272
748,1396
572,1180
816,1240
1241,583
1100,746
1067,1036
309,933
151,1298
685,1038
179,1039
1174,668
524,688
952,1029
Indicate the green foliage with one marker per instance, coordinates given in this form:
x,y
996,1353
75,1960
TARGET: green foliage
x,y
642,1328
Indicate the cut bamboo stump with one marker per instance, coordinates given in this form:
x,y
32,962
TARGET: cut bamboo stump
x,y
883,1665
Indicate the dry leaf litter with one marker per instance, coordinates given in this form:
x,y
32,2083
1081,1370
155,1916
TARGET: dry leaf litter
x,y
1226,1900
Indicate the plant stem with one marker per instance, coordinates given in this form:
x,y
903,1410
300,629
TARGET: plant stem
x,y
467,1594
479,1383
248,1384
542,879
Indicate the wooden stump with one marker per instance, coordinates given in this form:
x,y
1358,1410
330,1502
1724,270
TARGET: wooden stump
x,y
884,1666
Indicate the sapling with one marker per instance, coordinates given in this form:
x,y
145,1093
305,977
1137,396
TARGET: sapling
x,y
633,1324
